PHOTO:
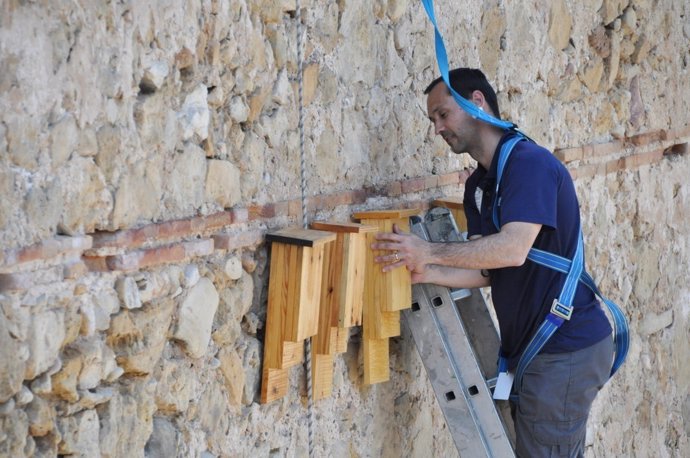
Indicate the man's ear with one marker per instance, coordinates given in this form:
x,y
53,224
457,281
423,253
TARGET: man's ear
x,y
478,98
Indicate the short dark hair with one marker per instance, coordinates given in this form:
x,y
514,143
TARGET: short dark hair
x,y
467,80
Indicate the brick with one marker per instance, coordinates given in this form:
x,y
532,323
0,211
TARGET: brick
x,y
295,208
605,149
448,179
240,215
566,155
394,189
681,133
412,185
431,182
95,263
615,165
240,240
281,208
638,160
74,270
112,239
464,175
46,250
22,281
261,211
646,138
137,260
218,221
197,248
585,171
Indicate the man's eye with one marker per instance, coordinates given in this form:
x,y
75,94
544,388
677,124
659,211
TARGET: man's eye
x,y
443,115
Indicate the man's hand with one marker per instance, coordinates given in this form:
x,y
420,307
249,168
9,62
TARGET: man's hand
x,y
406,250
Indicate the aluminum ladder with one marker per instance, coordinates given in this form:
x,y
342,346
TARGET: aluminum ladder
x,y
458,345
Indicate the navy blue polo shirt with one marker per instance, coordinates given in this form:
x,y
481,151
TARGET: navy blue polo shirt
x,y
535,188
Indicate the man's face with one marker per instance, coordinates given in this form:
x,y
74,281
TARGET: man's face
x,y
449,120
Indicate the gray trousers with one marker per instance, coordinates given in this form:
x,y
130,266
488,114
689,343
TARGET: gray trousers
x,y
557,393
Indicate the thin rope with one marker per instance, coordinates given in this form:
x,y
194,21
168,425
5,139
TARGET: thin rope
x,y
305,222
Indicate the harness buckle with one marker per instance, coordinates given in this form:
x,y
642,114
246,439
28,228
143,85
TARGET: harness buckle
x,y
561,310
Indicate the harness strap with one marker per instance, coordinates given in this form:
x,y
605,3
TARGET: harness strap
x,y
442,59
562,308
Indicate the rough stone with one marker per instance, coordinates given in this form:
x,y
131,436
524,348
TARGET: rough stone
x,y
46,337
592,74
223,183
164,439
176,386
12,372
64,382
233,268
194,118
24,396
239,110
64,140
231,367
127,415
560,24
79,434
138,337
184,189
85,196
41,415
128,292
195,318
14,431
154,76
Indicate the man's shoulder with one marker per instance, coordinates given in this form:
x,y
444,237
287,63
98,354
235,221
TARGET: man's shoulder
x,y
532,154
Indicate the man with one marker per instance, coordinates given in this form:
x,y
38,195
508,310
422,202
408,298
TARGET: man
x,y
538,208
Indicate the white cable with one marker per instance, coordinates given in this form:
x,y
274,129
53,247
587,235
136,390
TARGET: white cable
x,y
305,222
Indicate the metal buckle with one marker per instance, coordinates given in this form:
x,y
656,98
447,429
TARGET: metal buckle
x,y
561,310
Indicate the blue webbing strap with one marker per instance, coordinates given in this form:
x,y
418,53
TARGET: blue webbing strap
x,y
442,59
620,323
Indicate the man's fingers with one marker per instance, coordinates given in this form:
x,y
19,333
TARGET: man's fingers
x,y
389,267
389,236
397,229
390,246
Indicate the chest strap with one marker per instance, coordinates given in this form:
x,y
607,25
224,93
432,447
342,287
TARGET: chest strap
x,y
562,308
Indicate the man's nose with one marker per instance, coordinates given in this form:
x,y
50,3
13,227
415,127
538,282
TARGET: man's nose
x,y
438,128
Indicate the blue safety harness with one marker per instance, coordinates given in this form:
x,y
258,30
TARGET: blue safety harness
x,y
562,308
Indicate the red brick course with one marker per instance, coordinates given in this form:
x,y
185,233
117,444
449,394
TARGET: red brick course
x,y
137,248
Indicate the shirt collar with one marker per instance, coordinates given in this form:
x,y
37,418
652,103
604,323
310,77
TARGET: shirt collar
x,y
493,169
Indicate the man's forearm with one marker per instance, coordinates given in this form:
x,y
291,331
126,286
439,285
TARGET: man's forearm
x,y
453,277
507,248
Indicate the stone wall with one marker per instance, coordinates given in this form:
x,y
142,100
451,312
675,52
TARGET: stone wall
x,y
146,148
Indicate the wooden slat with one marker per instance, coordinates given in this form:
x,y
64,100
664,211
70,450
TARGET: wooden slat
x,y
331,267
322,376
293,354
341,338
347,227
277,305
376,361
392,290
300,237
386,214
354,256
302,313
274,384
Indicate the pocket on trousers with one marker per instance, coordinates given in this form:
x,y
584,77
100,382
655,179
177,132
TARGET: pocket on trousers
x,y
559,433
